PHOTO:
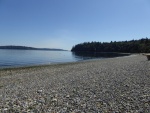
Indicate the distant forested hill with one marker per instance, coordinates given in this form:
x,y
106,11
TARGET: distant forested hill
x,y
16,47
28,48
132,46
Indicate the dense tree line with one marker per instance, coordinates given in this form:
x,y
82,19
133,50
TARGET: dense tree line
x,y
132,46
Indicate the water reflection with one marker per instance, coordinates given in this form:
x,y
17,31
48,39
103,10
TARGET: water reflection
x,y
93,55
12,58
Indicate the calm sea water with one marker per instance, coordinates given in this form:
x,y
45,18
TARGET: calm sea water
x,y
13,58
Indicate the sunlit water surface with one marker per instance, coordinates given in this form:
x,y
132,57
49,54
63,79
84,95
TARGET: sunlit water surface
x,y
15,58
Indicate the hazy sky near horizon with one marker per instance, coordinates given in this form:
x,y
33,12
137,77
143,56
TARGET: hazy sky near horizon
x,y
64,23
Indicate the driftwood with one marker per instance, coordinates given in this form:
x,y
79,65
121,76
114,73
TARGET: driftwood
x,y
147,55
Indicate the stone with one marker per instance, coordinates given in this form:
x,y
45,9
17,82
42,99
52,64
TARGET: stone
x,y
39,91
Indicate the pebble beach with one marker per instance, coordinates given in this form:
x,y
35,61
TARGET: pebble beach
x,y
113,85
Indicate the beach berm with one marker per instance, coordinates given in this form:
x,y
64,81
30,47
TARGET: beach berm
x,y
114,85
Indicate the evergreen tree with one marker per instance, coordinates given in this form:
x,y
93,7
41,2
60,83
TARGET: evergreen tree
x,y
132,46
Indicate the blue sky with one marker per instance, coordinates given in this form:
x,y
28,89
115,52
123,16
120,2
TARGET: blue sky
x,y
64,23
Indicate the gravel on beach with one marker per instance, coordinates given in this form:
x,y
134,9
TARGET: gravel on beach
x,y
114,85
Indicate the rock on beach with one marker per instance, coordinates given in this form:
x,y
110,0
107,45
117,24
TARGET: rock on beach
x,y
114,85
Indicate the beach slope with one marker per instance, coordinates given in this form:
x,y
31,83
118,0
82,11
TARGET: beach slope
x,y
115,85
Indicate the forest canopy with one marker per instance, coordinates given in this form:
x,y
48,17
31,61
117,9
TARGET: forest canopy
x,y
132,46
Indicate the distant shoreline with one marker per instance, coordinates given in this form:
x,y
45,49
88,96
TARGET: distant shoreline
x,y
29,48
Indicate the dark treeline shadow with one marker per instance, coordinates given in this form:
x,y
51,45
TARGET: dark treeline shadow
x,y
92,55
